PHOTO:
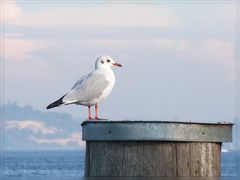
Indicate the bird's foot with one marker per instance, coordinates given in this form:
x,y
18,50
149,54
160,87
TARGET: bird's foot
x,y
97,118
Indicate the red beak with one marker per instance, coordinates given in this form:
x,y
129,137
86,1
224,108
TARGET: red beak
x,y
117,64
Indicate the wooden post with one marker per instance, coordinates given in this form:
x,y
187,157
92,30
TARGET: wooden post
x,y
153,148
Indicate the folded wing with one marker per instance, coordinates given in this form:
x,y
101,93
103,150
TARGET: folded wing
x,y
87,88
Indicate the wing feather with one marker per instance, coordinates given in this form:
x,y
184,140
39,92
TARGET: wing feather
x,y
79,82
87,88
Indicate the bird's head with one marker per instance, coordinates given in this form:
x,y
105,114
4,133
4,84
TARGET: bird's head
x,y
105,61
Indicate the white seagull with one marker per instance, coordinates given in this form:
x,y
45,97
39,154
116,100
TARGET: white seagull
x,y
91,88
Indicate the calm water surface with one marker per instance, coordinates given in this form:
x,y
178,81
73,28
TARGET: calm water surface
x,y
44,163
70,163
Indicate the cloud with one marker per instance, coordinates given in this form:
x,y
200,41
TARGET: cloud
x,y
12,11
20,49
222,52
183,46
217,51
15,47
81,15
32,125
75,139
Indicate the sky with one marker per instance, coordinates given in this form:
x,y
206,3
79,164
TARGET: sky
x,y
179,60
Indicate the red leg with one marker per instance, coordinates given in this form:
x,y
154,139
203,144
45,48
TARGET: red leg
x,y
96,111
89,112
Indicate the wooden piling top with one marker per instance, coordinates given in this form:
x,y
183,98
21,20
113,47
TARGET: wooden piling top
x,y
156,131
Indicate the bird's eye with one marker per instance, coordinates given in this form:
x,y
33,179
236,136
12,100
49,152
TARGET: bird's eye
x,y
102,62
108,61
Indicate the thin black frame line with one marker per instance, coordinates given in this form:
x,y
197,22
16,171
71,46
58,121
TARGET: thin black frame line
x,y
159,3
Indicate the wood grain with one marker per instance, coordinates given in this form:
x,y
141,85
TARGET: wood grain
x,y
136,159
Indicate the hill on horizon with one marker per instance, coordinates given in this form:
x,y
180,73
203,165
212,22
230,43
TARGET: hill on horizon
x,y
27,128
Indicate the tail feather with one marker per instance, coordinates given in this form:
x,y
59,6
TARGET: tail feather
x,y
56,103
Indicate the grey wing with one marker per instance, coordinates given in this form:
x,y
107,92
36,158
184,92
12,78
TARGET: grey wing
x,y
78,83
89,88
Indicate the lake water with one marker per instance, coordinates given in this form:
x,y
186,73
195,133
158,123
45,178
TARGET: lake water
x,y
44,163
70,163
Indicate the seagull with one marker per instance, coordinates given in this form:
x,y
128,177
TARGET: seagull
x,y
91,88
